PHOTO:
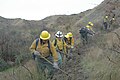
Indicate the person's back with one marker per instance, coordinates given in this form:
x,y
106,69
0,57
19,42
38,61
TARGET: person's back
x,y
83,30
84,34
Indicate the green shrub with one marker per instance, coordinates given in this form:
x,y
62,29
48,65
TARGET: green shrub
x,y
22,58
3,65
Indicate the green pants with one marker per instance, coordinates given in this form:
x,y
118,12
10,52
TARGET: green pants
x,y
69,53
43,64
84,38
60,58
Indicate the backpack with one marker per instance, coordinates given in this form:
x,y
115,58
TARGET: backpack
x,y
37,40
82,30
65,39
56,43
85,31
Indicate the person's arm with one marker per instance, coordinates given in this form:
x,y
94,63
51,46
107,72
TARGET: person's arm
x,y
92,30
54,53
53,42
33,46
33,50
55,56
72,42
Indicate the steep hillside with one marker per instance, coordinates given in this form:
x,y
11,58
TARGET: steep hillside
x,y
101,60
95,61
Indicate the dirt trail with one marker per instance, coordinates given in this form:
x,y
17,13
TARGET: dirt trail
x,y
73,67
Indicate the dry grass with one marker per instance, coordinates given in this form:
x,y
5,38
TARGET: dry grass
x,y
26,72
101,62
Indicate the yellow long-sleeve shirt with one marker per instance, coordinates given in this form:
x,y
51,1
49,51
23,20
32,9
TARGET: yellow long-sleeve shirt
x,y
44,50
90,28
60,44
71,41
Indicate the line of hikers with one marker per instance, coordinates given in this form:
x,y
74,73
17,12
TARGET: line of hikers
x,y
49,54
108,21
87,30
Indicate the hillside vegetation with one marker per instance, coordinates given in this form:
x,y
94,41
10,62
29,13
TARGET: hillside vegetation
x,y
98,60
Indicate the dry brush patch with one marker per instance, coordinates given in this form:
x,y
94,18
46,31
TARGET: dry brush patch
x,y
101,62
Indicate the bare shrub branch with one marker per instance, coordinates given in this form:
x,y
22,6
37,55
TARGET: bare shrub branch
x,y
111,60
31,75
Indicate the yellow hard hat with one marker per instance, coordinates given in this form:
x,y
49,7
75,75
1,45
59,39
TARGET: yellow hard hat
x,y
66,36
106,16
70,34
88,26
44,35
90,23
113,18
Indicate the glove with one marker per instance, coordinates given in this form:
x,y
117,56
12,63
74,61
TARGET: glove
x,y
72,46
36,53
55,65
